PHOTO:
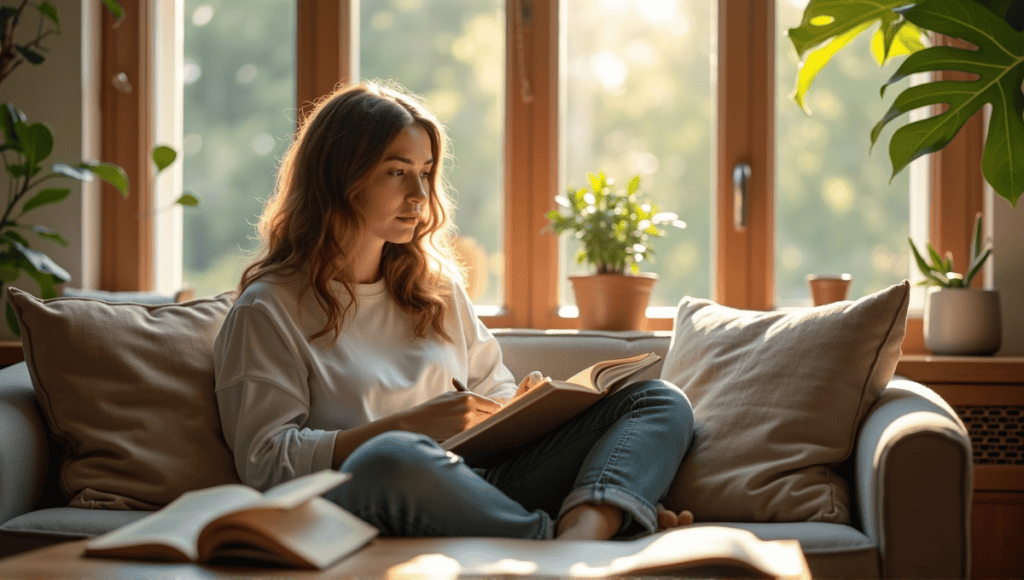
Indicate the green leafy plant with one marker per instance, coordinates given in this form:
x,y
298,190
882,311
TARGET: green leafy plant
x,y
613,226
995,67
24,149
940,271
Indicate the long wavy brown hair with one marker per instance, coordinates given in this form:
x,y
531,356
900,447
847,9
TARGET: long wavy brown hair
x,y
314,219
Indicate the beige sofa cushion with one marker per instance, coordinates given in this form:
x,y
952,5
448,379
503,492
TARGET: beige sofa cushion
x,y
778,398
128,389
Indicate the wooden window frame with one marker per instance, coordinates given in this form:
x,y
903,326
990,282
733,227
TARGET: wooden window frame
x,y
744,268
126,88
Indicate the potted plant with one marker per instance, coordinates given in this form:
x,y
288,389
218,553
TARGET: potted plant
x,y
958,319
26,146
615,229
995,65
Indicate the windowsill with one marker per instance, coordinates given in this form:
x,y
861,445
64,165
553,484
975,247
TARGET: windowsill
x,y
931,369
568,312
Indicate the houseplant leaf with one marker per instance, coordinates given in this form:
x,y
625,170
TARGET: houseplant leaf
x,y
44,197
11,115
115,10
47,233
895,37
42,267
79,173
163,156
36,143
47,10
998,63
15,237
827,26
30,55
111,173
189,200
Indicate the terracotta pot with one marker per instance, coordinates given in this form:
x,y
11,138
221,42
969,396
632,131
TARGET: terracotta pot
x,y
962,321
828,289
612,301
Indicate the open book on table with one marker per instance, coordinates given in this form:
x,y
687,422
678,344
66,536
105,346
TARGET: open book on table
x,y
288,525
695,551
545,406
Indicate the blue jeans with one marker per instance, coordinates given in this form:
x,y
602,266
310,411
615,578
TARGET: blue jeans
x,y
624,451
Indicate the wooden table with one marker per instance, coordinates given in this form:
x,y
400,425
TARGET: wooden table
x,y
449,558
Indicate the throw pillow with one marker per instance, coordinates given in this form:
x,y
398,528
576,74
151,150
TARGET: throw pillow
x,y
778,398
128,390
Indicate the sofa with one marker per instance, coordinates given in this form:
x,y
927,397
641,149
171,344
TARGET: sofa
x,y
906,479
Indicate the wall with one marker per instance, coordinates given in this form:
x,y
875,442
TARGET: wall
x,y
53,93
1008,269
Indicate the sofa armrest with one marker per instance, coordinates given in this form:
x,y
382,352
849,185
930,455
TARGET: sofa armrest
x,y
914,478
24,451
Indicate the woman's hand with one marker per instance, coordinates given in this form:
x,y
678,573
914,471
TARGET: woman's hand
x,y
531,380
448,414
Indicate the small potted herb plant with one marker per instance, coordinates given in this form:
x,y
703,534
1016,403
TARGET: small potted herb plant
x,y
614,229
958,319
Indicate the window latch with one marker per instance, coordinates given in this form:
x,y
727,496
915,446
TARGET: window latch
x,y
740,190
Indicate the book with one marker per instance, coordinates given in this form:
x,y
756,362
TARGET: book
x,y
699,551
544,406
288,525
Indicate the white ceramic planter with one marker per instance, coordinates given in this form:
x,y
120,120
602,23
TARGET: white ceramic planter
x,y
962,321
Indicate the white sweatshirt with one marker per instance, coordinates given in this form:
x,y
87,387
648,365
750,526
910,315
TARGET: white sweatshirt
x,y
283,399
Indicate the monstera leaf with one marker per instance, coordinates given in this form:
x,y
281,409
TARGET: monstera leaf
x,y
829,25
997,64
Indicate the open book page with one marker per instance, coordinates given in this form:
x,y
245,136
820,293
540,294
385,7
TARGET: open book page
x,y
292,493
611,375
720,550
696,551
313,535
172,532
545,406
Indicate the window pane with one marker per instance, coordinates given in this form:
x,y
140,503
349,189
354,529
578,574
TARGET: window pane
x,y
452,53
637,91
836,211
239,114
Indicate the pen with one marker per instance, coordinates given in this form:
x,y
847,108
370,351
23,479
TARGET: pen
x,y
462,388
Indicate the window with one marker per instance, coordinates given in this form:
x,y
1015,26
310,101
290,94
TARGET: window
x,y
543,93
638,100
238,91
458,69
835,210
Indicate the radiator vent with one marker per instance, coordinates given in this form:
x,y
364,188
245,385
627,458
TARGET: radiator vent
x,y
997,433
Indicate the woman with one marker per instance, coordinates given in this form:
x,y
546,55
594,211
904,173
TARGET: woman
x,y
350,326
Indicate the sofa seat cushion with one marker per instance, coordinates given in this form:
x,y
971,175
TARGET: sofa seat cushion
x,y
831,550
70,522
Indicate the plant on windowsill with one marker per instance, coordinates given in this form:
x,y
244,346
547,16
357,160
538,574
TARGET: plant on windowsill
x,y
615,229
958,319
25,147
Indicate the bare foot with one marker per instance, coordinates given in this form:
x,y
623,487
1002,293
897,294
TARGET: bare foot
x,y
668,519
589,522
